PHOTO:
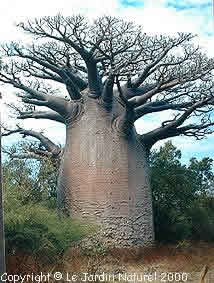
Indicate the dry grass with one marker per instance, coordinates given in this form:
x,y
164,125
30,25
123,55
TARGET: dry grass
x,y
197,260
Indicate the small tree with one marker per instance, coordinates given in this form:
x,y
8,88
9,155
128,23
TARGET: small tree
x,y
113,74
180,200
202,174
34,175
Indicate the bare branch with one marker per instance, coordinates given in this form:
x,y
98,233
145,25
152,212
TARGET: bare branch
x,y
51,115
107,93
171,44
124,123
53,149
153,107
66,30
66,76
94,81
171,128
35,97
72,32
29,155
28,111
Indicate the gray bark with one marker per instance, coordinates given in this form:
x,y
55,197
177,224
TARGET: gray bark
x,y
104,178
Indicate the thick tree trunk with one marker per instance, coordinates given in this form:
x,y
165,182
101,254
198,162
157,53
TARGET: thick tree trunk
x,y
104,178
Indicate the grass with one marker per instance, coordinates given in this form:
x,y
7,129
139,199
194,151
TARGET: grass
x,y
193,259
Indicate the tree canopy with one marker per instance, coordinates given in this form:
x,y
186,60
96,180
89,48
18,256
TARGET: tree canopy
x,y
118,63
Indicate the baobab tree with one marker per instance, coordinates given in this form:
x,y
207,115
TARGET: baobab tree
x,y
113,74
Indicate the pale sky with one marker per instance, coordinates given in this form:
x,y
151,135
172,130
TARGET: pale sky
x,y
164,16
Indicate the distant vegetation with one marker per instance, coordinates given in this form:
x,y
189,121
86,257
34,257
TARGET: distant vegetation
x,y
31,221
183,199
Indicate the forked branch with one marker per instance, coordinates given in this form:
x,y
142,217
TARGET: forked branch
x,y
50,147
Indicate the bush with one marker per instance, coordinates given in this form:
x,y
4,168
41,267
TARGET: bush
x,y
33,228
36,180
182,205
201,219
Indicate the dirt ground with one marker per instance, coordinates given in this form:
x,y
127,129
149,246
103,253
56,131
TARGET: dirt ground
x,y
181,263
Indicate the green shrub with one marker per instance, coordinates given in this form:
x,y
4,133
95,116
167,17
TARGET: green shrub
x,y
182,205
201,219
34,228
38,230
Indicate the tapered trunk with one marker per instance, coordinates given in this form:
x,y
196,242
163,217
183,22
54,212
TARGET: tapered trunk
x,y
104,178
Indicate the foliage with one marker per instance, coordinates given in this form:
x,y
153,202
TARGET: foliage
x,y
202,174
31,225
183,206
36,178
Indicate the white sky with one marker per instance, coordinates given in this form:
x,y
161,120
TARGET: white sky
x,y
154,15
